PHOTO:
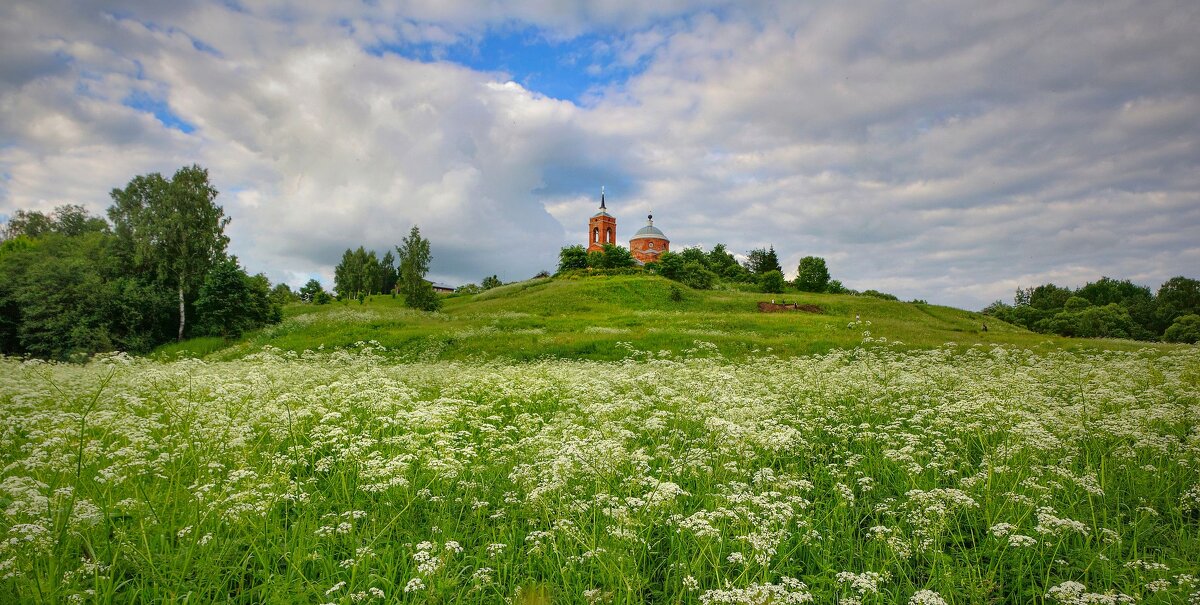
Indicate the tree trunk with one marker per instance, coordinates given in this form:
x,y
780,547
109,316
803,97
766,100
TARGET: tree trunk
x,y
181,314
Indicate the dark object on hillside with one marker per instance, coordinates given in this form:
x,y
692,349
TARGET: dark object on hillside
x,y
985,327
770,307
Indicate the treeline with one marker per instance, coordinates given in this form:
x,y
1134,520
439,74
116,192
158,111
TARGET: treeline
x,y
702,270
73,284
1108,308
362,273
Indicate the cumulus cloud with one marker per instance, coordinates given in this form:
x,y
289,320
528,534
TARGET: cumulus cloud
x,y
944,152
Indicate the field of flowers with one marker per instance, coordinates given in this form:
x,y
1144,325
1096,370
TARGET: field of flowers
x,y
871,475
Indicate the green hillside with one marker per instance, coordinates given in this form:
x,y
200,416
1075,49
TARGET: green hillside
x,y
606,317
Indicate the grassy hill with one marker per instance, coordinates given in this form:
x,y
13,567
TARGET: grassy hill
x,y
603,317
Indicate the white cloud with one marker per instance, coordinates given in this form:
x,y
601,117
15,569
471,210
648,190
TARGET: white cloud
x,y
946,152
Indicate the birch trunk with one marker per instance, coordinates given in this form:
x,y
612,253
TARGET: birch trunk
x,y
181,314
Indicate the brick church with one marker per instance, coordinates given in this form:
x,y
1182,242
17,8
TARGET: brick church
x,y
645,245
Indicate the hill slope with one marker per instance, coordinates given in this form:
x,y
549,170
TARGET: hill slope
x,y
604,317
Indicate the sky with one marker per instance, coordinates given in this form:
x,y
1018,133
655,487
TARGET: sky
x,y
947,151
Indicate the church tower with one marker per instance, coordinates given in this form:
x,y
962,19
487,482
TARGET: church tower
x,y
602,228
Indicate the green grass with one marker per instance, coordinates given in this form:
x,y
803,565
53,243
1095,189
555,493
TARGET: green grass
x,y
948,475
592,318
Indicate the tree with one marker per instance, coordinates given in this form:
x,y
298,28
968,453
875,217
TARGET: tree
x,y
696,276
282,295
772,282
314,293
174,228
28,223
1049,297
571,258
761,260
490,282
344,276
1186,328
693,254
721,262
231,302
415,255
812,275
1177,297
670,265
611,257
387,273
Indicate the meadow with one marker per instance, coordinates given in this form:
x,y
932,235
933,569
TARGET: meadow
x,y
591,318
875,473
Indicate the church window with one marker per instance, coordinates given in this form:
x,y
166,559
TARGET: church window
x,y
609,236
596,234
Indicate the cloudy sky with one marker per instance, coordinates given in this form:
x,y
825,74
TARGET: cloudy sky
x,y
950,151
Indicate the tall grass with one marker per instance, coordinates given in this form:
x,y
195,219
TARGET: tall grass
x,y
868,475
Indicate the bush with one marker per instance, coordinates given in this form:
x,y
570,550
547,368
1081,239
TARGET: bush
x,y
878,294
1185,329
697,277
772,282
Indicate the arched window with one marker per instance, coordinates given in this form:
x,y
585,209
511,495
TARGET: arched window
x,y
650,245
596,234
608,237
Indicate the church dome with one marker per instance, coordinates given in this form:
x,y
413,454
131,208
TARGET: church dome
x,y
649,232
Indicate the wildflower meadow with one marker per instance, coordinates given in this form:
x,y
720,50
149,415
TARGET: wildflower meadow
x,y
954,474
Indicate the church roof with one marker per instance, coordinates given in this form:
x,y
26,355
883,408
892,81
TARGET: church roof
x,y
601,213
649,231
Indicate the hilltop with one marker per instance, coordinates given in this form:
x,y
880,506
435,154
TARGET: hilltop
x,y
604,317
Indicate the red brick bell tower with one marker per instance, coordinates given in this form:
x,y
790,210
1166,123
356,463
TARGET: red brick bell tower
x,y
602,228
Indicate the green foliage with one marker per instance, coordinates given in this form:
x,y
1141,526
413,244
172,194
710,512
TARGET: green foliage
x,y
812,275
359,272
761,260
571,258
721,262
70,220
1074,304
611,257
1177,297
670,265
232,302
1186,328
282,295
388,276
878,294
65,298
1049,297
693,254
314,293
835,287
676,294
772,282
490,282
414,255
467,289
696,276
1089,311
174,228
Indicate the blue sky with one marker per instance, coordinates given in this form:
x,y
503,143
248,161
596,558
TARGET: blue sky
x,y
949,153
563,69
